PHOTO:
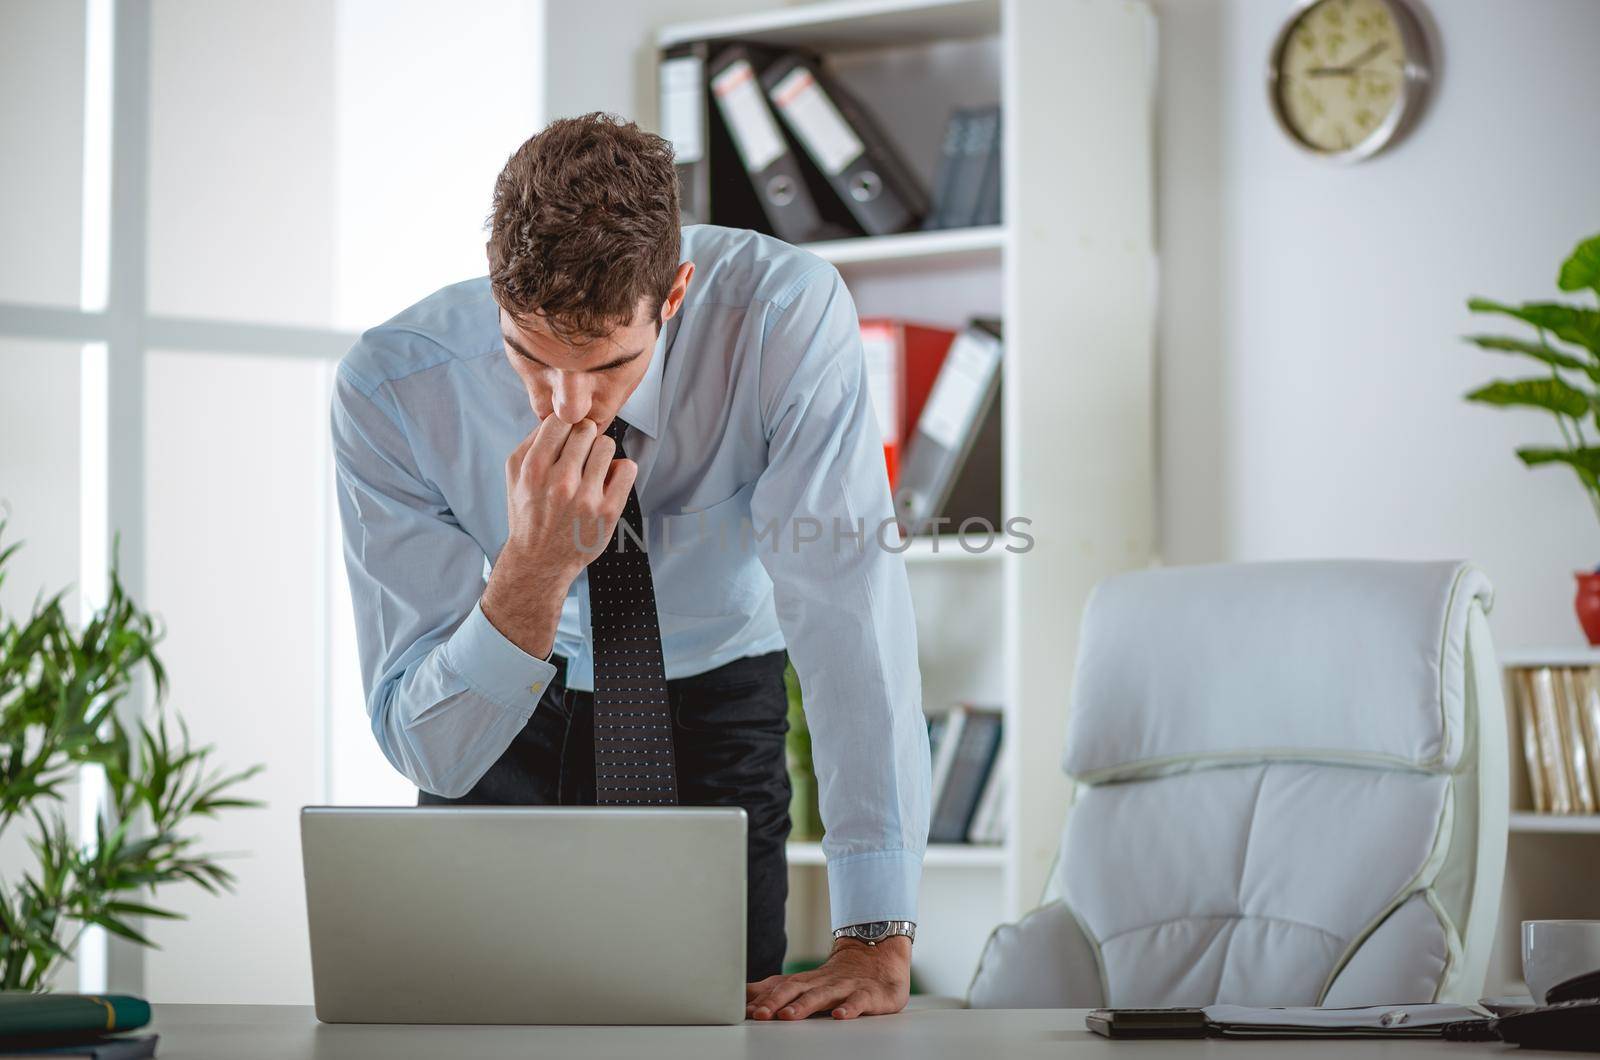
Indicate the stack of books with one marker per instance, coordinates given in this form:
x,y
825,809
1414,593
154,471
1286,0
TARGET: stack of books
x,y
1558,715
968,782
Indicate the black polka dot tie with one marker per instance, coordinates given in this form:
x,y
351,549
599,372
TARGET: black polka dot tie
x,y
633,761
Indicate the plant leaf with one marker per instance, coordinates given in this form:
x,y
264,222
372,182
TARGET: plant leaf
x,y
1582,269
117,927
1539,352
136,909
1568,323
1551,394
1587,459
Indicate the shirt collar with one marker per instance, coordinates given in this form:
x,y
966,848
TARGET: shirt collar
x,y
642,410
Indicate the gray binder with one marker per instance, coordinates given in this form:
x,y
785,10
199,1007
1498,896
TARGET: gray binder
x,y
955,136
979,146
952,463
777,172
685,122
847,147
989,191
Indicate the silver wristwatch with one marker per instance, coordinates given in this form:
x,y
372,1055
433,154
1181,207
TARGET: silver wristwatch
x,y
877,931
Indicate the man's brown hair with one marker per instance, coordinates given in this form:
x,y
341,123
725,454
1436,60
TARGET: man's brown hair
x,y
585,224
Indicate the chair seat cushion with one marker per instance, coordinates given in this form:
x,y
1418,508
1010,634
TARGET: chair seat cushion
x,y
1211,885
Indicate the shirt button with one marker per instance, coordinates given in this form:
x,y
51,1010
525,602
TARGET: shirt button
x,y
534,688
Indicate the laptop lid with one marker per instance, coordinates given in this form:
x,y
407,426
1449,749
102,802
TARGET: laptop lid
x,y
527,915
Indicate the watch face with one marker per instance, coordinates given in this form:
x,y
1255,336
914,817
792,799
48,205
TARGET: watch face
x,y
875,930
1340,75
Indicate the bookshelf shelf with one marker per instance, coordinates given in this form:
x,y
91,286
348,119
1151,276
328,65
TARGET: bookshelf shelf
x,y
946,548
940,855
953,246
1563,656
848,25
1578,823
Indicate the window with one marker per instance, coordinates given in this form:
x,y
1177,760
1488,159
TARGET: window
x,y
213,200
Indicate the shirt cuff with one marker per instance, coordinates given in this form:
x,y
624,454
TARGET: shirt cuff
x,y
882,885
496,668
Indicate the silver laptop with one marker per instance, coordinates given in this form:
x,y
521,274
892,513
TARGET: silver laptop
x,y
526,915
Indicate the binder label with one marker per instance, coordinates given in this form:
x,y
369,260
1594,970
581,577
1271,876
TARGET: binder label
x,y
878,346
680,108
820,126
755,133
953,405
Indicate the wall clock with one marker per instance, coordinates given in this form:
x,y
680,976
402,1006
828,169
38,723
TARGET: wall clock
x,y
1347,78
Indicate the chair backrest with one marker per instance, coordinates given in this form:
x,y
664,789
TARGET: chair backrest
x,y
1290,789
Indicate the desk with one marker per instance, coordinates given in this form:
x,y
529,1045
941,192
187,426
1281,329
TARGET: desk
x,y
287,1032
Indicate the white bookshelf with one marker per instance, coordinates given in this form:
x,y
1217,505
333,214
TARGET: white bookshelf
x,y
1071,274
835,26
1552,860
950,548
1562,656
982,245
940,856
1579,823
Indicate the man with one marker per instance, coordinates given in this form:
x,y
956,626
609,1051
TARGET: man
x,y
614,382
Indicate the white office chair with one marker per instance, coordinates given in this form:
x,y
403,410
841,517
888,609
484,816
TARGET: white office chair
x,y
1290,790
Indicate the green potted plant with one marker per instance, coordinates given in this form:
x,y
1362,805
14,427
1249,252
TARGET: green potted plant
x,y
59,690
1567,343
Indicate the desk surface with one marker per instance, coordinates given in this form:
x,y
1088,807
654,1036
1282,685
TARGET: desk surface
x,y
271,1032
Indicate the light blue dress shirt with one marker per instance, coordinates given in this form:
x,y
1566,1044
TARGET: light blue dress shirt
x,y
762,485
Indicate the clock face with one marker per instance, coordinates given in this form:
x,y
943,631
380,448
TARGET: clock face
x,y
1341,75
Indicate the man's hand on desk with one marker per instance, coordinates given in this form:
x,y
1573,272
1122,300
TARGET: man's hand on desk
x,y
856,980
564,494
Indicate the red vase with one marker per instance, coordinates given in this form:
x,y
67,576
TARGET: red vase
x,y
1587,604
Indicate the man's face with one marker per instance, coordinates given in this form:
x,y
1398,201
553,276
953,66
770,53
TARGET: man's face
x,y
592,380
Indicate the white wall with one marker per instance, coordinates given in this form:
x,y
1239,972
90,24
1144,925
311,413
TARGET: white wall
x,y
1311,369
432,97
607,56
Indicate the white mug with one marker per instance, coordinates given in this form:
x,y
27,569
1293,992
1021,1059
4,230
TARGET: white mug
x,y
1554,951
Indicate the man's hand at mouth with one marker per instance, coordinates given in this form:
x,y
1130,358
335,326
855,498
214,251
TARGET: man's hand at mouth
x,y
564,494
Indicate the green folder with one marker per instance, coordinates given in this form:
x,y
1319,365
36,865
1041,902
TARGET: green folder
x,y
32,1015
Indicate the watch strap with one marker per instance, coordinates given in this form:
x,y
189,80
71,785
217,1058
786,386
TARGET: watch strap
x,y
876,931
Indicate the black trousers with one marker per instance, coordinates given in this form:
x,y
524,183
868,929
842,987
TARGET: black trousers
x,y
728,731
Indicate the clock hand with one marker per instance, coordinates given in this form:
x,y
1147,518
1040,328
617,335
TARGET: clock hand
x,y
1367,56
1349,68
